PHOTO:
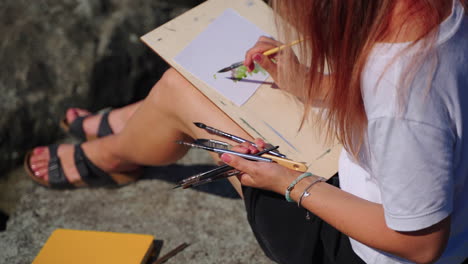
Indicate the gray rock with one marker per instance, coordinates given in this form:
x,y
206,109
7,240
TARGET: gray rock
x,y
61,53
211,219
86,53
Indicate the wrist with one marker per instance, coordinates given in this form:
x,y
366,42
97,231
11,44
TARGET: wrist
x,y
281,185
306,185
293,184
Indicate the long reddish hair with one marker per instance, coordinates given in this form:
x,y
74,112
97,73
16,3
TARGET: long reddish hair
x,y
338,36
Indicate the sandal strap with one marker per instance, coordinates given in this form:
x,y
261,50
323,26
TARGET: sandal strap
x,y
57,178
90,173
76,127
104,126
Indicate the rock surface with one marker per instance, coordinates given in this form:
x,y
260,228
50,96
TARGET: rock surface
x,y
61,53
211,218
86,53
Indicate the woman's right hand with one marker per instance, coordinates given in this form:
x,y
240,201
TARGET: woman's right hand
x,y
255,55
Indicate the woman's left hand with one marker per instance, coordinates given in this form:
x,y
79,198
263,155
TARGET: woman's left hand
x,y
262,175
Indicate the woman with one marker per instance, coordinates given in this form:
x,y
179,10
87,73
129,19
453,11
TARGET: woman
x,y
397,74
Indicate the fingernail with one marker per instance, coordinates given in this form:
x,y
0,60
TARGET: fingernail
x,y
39,150
226,158
257,57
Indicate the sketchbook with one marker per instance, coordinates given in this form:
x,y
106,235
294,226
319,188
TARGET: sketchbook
x,y
214,35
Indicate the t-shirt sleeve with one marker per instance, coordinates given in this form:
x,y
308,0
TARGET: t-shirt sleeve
x,y
413,163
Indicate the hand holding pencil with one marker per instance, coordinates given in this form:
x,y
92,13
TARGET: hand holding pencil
x,y
261,53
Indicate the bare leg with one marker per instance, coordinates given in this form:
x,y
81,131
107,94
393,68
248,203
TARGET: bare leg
x,y
166,115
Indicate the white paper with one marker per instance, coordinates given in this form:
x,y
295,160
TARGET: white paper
x,y
223,42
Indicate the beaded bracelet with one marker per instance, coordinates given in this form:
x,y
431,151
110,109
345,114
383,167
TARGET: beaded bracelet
x,y
291,186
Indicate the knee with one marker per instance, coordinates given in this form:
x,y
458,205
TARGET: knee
x,y
172,78
171,82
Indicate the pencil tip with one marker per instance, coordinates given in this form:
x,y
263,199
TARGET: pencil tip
x,y
177,186
200,125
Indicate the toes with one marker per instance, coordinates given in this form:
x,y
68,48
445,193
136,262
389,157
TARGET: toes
x,y
37,165
38,162
39,154
39,169
73,113
40,150
42,173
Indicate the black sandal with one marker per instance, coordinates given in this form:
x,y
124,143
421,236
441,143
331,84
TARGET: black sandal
x,y
75,128
90,174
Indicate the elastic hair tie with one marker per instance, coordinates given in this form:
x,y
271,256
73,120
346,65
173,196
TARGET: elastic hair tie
x,y
291,186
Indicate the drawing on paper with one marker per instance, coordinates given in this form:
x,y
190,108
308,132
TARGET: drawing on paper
x,y
224,41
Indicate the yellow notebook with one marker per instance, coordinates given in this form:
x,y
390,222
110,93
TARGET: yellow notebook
x,y
78,246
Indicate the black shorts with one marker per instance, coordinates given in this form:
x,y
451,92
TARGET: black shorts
x,y
286,236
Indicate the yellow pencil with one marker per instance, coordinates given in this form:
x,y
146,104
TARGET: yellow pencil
x,y
275,50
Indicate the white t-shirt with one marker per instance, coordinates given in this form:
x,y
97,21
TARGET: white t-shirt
x,y
415,160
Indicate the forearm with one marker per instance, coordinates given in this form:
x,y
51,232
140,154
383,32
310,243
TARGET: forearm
x,y
358,218
364,221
